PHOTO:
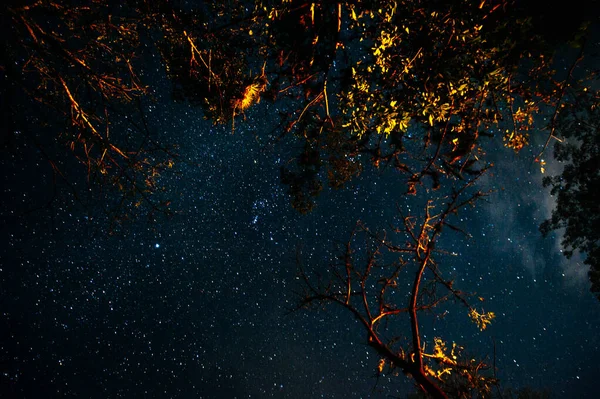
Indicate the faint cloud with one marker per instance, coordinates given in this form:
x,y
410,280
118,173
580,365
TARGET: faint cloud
x,y
517,208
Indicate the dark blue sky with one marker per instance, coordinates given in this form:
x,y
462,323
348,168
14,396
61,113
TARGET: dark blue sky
x,y
195,305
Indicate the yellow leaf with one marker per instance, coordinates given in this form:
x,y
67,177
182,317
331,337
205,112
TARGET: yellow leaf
x,y
381,365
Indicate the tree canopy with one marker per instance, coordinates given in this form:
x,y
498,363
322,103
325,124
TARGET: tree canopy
x,y
576,189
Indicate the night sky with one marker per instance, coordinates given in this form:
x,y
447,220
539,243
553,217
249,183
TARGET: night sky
x,y
196,305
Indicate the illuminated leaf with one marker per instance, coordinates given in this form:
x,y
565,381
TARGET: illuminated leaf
x,y
381,365
481,319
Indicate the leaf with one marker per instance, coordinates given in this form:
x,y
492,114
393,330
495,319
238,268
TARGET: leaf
x,y
381,365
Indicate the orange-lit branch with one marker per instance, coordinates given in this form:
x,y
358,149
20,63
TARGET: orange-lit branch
x,y
79,113
194,50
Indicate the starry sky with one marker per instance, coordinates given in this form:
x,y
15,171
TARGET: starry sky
x,y
197,305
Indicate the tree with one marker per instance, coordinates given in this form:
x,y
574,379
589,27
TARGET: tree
x,y
577,209
392,82
74,69
411,85
386,83
369,279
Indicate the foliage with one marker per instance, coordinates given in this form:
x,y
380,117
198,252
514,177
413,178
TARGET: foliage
x,y
481,319
577,209
524,393
366,282
74,67
398,81
411,85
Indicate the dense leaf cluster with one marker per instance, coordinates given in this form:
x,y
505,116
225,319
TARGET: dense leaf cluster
x,y
577,188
